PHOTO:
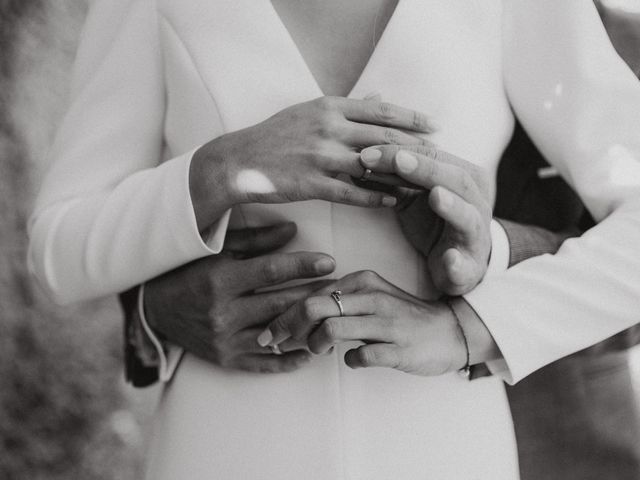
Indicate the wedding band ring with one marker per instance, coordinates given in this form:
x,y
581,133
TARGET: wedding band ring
x,y
275,349
365,176
336,295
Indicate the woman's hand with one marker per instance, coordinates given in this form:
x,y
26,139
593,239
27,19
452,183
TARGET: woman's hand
x,y
296,154
450,222
399,330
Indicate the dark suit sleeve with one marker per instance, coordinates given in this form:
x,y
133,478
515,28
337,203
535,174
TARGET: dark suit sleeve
x,y
138,372
527,241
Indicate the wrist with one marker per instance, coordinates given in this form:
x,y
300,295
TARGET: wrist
x,y
209,185
480,343
462,366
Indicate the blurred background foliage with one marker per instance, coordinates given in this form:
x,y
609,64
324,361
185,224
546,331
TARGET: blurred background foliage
x,y
65,412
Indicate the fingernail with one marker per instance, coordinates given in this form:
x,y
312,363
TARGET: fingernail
x,y
389,201
406,162
445,199
265,338
324,265
370,156
373,96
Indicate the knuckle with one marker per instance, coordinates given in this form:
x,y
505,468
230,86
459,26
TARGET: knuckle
x,y
373,199
346,195
279,325
295,192
330,329
326,103
419,121
218,322
270,272
378,299
327,128
385,111
310,308
391,136
428,150
277,305
368,278
368,357
215,283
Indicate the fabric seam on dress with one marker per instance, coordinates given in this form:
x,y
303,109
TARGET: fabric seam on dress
x,y
194,63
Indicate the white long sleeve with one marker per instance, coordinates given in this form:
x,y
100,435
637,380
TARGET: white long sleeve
x,y
108,215
581,105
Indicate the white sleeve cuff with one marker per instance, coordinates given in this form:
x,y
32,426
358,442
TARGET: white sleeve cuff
x,y
500,251
170,360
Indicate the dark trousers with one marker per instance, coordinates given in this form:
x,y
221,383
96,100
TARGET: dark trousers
x,y
578,419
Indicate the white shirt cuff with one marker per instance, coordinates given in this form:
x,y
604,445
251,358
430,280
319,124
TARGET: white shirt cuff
x,y
499,262
170,360
500,251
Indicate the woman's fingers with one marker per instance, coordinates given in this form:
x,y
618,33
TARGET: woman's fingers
x,y
376,355
360,135
385,114
362,293
305,316
380,158
334,330
337,191
427,164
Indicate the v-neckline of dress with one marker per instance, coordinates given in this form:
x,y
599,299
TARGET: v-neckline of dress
x,y
307,70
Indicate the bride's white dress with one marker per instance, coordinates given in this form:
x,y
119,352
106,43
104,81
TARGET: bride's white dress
x,y
162,75
327,421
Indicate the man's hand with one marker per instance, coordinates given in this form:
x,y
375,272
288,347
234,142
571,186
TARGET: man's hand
x,y
210,307
450,222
